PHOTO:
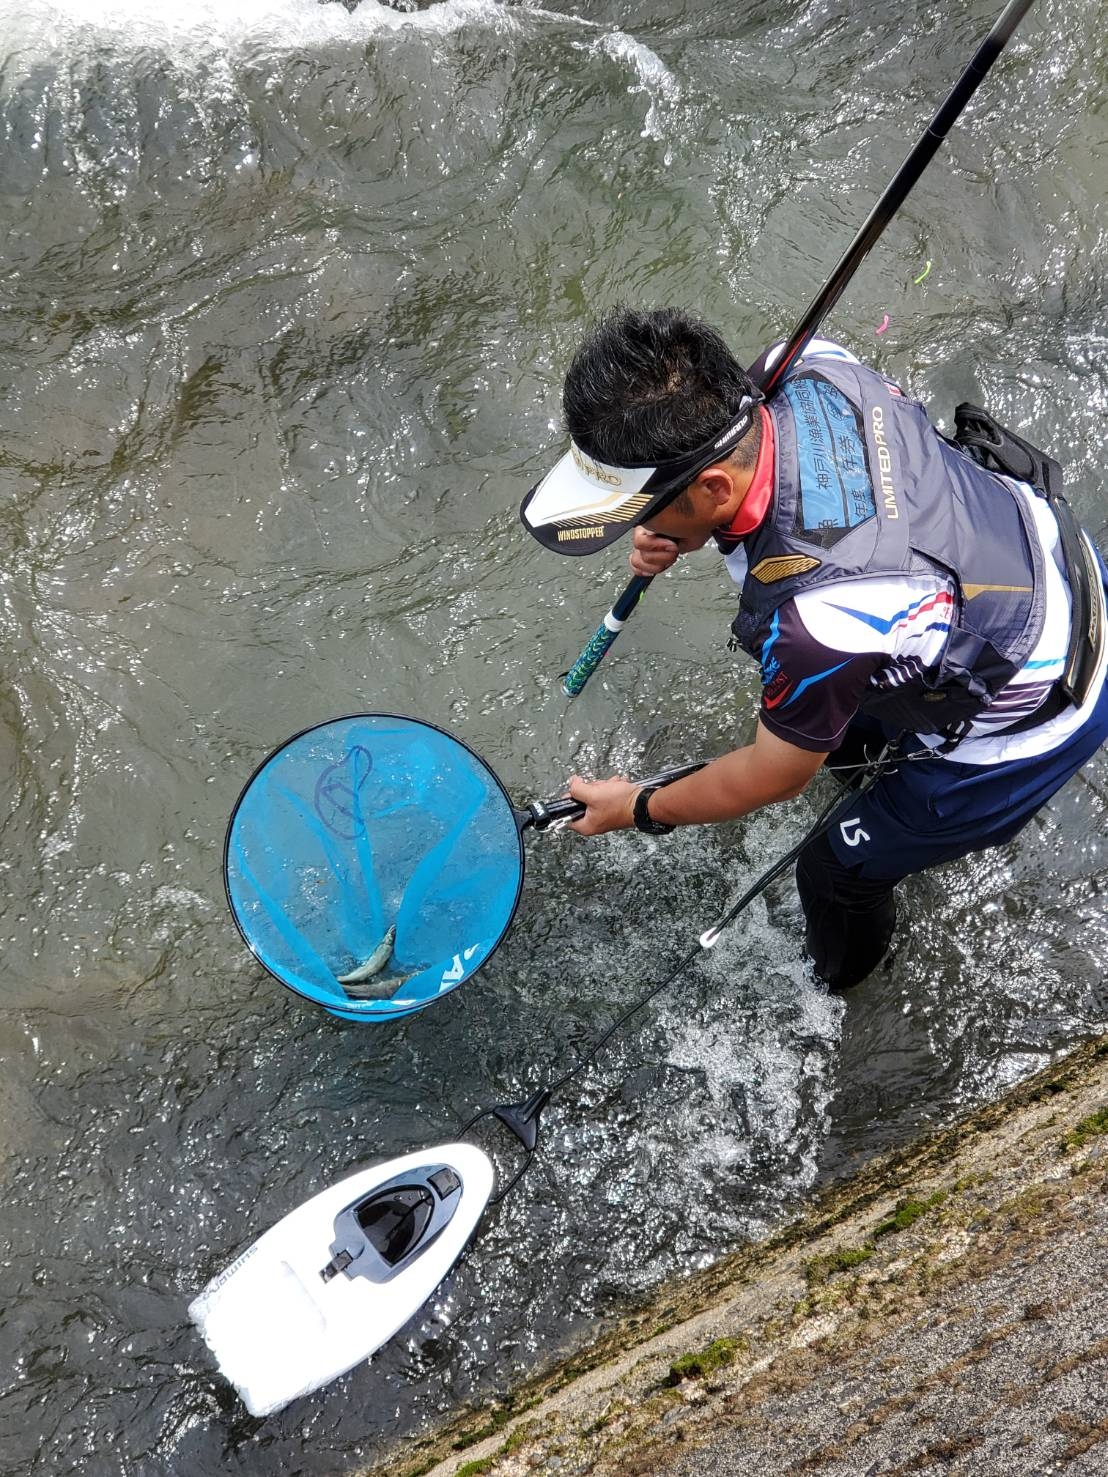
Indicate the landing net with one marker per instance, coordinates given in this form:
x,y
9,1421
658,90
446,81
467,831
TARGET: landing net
x,y
360,825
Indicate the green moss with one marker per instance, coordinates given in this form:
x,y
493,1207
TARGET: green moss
x,y
519,1437
718,1354
821,1268
907,1212
1024,1208
496,1422
1051,1088
500,1416
972,1181
1088,1128
474,1469
601,1423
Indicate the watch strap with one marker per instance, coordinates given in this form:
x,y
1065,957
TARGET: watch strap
x,y
641,813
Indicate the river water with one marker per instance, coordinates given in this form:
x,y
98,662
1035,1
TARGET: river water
x,y
287,289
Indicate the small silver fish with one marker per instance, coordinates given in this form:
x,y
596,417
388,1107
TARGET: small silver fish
x,y
374,964
377,987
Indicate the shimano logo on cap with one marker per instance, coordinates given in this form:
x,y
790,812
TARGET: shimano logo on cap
x,y
736,430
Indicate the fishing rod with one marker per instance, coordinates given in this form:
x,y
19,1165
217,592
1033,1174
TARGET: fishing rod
x,y
770,379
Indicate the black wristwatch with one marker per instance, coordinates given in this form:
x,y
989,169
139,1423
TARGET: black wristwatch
x,y
642,817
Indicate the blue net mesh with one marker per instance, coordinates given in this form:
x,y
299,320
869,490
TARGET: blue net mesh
x,y
364,825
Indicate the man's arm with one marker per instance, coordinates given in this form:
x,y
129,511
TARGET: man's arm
x,y
763,772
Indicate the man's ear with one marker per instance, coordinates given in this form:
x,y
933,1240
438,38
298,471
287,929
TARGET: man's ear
x,y
718,483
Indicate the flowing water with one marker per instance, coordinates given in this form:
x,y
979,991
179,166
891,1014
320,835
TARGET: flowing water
x,y
287,289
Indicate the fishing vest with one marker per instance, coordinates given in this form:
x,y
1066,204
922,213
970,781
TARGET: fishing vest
x,y
865,487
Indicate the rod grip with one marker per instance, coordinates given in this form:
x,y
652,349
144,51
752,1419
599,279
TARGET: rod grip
x,y
613,623
543,813
594,653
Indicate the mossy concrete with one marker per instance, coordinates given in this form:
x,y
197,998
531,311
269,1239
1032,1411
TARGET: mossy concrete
x,y
948,1266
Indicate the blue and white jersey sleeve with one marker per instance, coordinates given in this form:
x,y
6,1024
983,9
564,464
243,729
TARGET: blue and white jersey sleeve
x,y
825,649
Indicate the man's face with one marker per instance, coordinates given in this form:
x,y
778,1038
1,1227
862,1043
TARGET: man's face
x,y
691,529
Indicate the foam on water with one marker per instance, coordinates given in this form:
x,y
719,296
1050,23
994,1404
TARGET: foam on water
x,y
182,29
717,1092
652,75
765,1046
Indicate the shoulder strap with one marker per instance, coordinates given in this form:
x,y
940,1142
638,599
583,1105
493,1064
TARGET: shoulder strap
x,y
996,448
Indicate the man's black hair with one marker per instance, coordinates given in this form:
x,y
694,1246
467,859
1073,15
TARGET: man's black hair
x,y
647,386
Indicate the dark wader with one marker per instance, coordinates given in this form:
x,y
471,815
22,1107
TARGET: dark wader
x,y
849,921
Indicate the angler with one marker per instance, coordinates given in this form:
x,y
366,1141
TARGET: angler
x,y
893,584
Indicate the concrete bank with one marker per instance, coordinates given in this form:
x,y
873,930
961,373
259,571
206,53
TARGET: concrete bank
x,y
945,1310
